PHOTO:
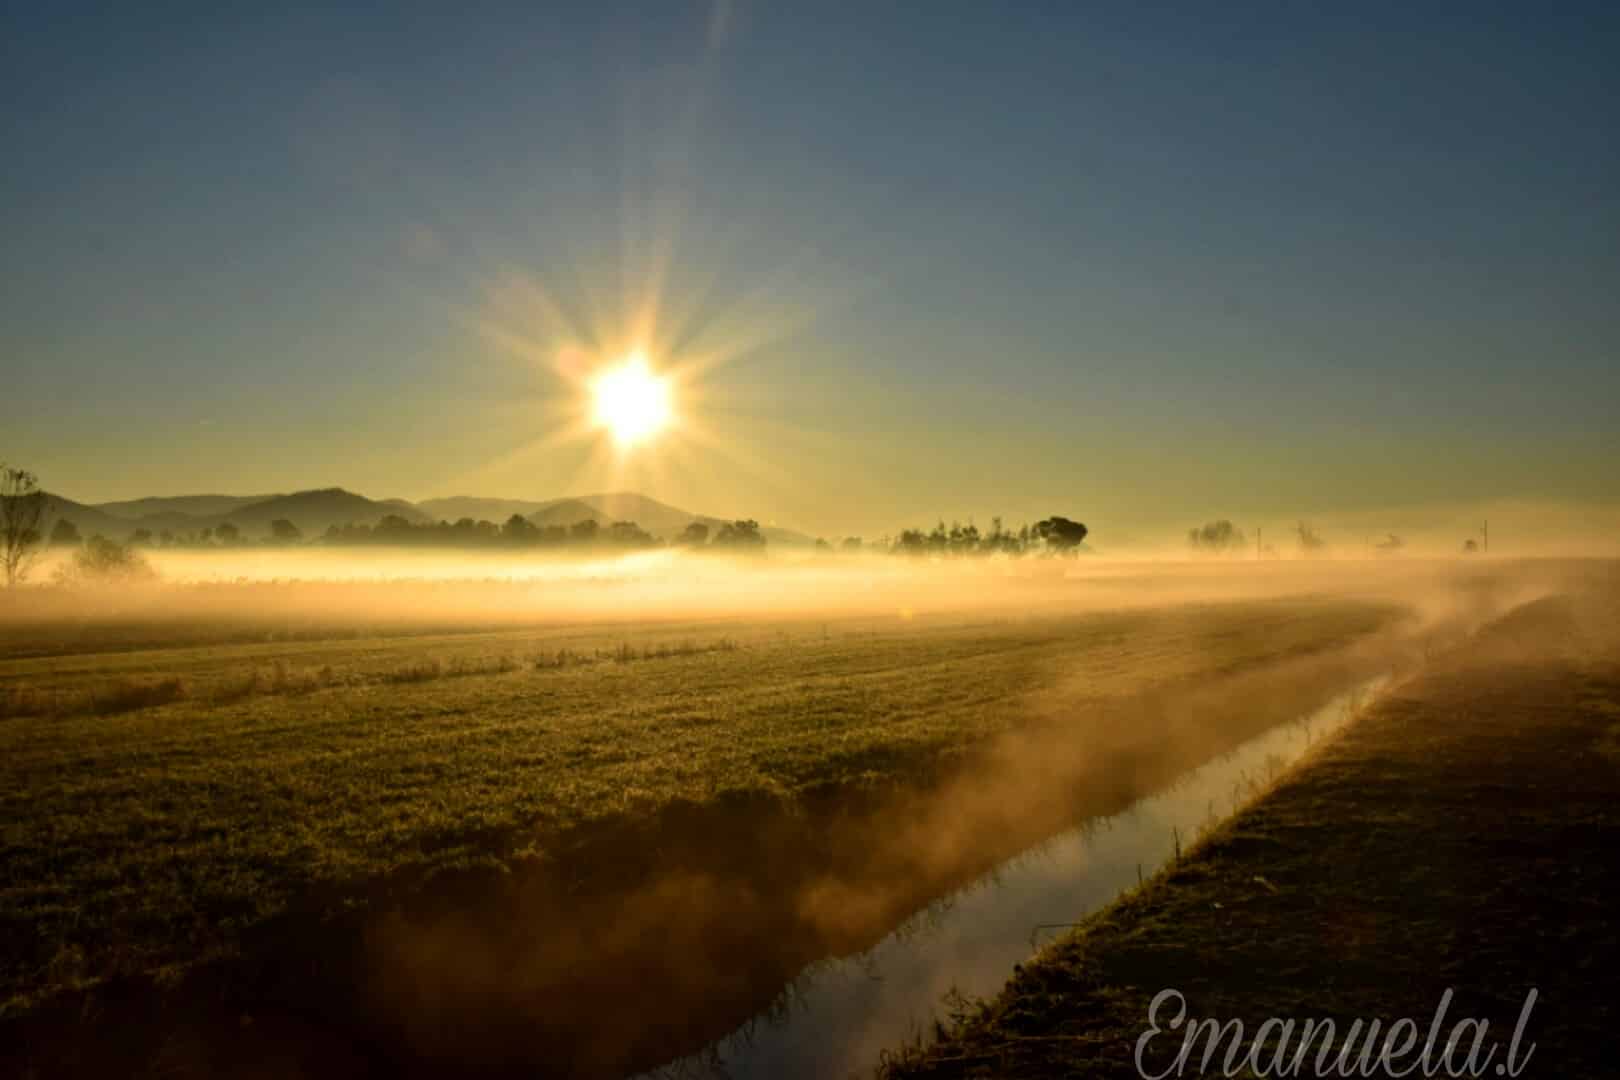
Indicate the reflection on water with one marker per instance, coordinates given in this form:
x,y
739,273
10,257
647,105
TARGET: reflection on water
x,y
837,1017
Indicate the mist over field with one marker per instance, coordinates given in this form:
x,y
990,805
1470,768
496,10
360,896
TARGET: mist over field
x,y
410,585
565,784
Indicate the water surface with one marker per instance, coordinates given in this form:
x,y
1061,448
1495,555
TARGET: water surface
x,y
840,1015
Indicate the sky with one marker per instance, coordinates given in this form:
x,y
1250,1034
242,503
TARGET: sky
x,y
1136,264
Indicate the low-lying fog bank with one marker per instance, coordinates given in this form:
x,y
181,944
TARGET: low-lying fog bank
x,y
390,586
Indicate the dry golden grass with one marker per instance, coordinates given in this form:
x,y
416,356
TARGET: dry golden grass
x,y
193,793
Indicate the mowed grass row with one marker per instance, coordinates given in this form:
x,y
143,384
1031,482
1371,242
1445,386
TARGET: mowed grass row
x,y
103,695
152,838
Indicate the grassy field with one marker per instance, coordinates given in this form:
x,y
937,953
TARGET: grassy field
x,y
164,806
1461,836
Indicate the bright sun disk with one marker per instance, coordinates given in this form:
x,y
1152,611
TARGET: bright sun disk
x,y
631,401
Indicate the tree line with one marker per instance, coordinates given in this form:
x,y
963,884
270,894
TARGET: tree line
x,y
396,531
24,513
1221,537
519,532
1050,536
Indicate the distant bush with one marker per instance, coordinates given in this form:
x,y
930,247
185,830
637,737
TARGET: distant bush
x,y
235,689
1217,536
1055,535
123,695
26,701
1061,535
278,678
741,535
422,671
106,562
428,670
626,653
562,658
499,665
1310,542
129,695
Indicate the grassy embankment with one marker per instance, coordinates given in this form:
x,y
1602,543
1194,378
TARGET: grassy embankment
x,y
275,786
1461,835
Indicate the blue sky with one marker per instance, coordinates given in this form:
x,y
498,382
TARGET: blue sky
x,y
1139,264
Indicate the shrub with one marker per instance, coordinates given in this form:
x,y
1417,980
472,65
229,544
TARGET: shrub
x,y
25,701
424,671
103,561
129,695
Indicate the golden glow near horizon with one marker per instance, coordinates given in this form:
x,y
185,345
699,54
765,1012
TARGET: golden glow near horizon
x,y
631,401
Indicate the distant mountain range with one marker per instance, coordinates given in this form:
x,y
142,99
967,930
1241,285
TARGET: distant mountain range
x,y
313,511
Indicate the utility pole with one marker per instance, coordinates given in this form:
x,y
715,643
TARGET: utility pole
x,y
1258,531
1486,531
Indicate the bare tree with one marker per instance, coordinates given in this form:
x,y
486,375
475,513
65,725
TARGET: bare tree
x,y
1310,543
1217,536
22,522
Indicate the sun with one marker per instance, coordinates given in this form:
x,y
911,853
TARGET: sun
x,y
631,401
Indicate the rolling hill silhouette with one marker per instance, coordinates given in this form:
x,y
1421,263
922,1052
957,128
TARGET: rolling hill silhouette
x,y
569,511
312,511
659,519
186,506
315,510
457,507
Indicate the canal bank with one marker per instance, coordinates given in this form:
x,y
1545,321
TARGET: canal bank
x,y
1459,837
